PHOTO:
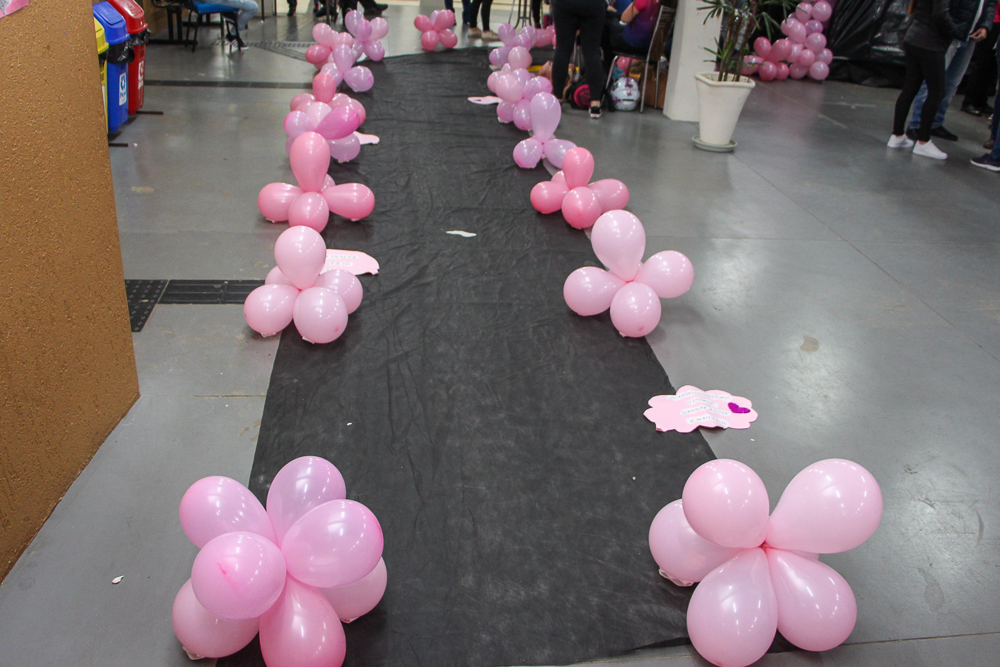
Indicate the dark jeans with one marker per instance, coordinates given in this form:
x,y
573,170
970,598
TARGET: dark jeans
x,y
982,71
921,65
587,16
536,12
450,4
474,12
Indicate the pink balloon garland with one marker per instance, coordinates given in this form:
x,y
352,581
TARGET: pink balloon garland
x,y
367,33
570,191
436,29
244,582
760,574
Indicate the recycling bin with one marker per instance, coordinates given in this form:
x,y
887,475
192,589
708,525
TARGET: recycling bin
x,y
119,55
138,36
102,62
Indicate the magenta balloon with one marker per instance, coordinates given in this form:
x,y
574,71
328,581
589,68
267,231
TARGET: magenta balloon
x,y
213,506
556,149
545,113
762,46
275,199
331,70
819,70
429,40
578,167
310,210
237,576
822,11
320,315
342,100
611,193
423,23
813,27
831,506
825,56
768,71
300,253
334,544
635,310
522,115
780,50
276,277
589,290
310,159
519,58
816,606
726,503
324,86
528,152
300,485
803,11
669,273
581,207
806,58
505,112
683,556
302,630
269,308
339,123
347,286
782,72
359,79
547,197
352,601
619,241
732,616
350,200
203,634
797,71
449,39
816,42
344,150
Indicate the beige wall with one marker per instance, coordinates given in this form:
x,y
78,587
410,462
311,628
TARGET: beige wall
x,y
67,370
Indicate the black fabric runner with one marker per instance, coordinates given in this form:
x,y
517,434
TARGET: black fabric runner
x,y
498,437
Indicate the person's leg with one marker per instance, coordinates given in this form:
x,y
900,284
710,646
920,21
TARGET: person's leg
x,y
591,28
912,81
486,14
449,4
246,10
954,72
566,26
536,12
996,105
465,11
934,74
918,108
474,12
982,74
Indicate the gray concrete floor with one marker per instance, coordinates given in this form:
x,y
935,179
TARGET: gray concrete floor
x,y
848,290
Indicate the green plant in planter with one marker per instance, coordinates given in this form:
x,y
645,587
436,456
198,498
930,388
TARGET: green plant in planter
x,y
741,19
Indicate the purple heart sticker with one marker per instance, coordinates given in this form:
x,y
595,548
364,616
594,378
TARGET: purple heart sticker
x,y
737,410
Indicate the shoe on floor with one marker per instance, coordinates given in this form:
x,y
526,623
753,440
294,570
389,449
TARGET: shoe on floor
x,y
291,8
971,110
595,112
986,162
474,32
990,143
902,141
942,133
929,150
490,36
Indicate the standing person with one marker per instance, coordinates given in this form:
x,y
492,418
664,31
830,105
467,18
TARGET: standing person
x,y
956,62
450,4
924,46
485,34
991,160
982,74
587,17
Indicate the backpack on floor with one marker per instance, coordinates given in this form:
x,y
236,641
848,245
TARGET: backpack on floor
x,y
579,96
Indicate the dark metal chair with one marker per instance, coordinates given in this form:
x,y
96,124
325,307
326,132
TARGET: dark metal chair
x,y
203,11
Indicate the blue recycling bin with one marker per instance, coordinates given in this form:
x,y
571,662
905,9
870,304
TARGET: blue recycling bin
x,y
119,56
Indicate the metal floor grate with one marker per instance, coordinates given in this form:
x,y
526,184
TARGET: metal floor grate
x,y
143,295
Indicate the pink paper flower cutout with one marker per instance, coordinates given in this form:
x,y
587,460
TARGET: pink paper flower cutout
x,y
691,407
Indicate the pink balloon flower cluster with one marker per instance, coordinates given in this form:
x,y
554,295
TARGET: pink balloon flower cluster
x,y
298,290
803,48
291,572
517,45
762,574
436,29
366,34
571,191
317,195
544,113
335,123
340,67
631,288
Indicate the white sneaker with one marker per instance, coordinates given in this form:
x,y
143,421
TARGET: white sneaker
x,y
902,141
929,150
490,36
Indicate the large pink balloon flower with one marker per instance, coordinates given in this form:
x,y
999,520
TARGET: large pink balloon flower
x,y
436,29
367,34
327,39
292,572
336,124
571,191
545,112
340,66
299,290
516,46
762,574
316,196
631,288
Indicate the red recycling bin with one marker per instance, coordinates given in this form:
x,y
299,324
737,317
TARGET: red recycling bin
x,y
138,35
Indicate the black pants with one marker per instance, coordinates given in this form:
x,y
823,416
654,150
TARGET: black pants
x,y
921,65
587,16
475,10
982,78
536,12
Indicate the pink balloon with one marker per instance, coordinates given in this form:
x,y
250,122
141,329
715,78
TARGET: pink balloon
x,y
726,503
527,153
341,100
449,39
509,89
611,192
324,86
806,58
789,24
374,50
268,309
203,634
732,616
300,100
317,54
213,506
429,40
505,112
498,56
762,46
816,42
545,113
302,630
352,20
589,290
238,576
619,241
335,74
334,544
275,199
782,72
635,310
322,33
297,122
346,149
300,485
556,149
797,71
683,556
310,158
506,33
380,27
547,197
350,200
813,27
319,315
300,253
310,210
523,76
544,37
362,30
833,505
669,273
352,601
522,117
343,57
581,208
819,70
347,286
768,71
578,167
359,79
825,56
816,606
339,123
536,85
491,81
803,11
793,55
276,277
780,50
822,11
519,58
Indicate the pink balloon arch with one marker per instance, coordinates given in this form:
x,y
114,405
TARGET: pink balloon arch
x,y
760,574
436,29
292,572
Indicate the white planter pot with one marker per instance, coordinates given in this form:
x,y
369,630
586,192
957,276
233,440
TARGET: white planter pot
x,y
719,107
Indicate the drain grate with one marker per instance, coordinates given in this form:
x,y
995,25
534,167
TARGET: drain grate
x,y
144,294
